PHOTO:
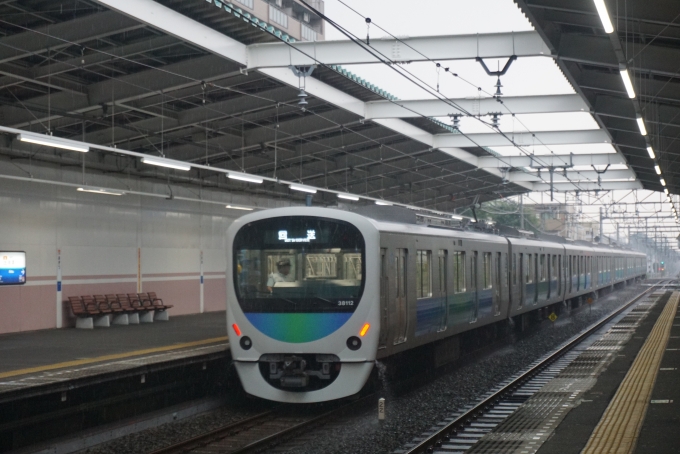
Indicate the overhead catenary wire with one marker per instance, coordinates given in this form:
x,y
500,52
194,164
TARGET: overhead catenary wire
x,y
255,96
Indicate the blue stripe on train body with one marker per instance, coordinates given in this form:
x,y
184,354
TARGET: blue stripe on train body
x,y
430,311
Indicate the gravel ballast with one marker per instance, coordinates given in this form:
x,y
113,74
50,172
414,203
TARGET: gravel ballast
x,y
409,414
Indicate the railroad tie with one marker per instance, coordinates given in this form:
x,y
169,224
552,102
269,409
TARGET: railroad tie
x,y
619,427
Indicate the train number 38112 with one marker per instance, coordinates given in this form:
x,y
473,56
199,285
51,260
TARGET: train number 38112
x,y
346,303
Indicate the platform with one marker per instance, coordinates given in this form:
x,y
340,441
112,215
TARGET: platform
x,y
40,360
633,406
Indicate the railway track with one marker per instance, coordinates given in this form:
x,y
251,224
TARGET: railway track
x,y
465,428
260,432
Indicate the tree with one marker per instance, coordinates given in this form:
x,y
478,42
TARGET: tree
x,y
506,212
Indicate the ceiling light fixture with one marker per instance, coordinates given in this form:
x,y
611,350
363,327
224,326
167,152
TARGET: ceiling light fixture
x,y
663,182
245,177
641,125
657,169
348,197
604,16
666,191
231,207
650,150
302,188
164,162
50,141
382,203
627,83
100,190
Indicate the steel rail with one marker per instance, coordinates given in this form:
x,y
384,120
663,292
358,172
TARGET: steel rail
x,y
430,443
217,434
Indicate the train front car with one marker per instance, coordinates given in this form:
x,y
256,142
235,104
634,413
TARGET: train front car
x,y
303,302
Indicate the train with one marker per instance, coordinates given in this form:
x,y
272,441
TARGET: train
x,y
316,295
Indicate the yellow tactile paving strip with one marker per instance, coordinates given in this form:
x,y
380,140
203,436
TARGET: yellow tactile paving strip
x,y
619,427
80,362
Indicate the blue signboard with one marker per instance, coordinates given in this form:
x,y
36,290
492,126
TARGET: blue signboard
x,y
12,268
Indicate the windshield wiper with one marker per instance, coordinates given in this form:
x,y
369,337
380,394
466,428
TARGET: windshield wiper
x,y
324,300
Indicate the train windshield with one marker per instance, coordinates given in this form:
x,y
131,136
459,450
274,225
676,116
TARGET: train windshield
x,y
299,264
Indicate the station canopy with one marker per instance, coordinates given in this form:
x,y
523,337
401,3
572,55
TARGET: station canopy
x,y
408,109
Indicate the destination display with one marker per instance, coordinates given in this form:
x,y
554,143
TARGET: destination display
x,y
12,268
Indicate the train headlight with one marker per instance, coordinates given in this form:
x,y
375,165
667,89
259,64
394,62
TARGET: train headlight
x,y
354,343
245,343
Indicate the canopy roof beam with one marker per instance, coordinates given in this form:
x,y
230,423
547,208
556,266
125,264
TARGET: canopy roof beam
x,y
407,50
486,106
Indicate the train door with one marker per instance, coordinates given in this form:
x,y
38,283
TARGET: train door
x,y
475,287
522,265
497,285
443,293
384,296
400,296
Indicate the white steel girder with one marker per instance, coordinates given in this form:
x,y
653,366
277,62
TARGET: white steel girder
x,y
476,106
525,139
549,160
589,186
572,175
455,47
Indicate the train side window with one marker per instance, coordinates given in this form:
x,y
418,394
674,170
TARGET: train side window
x,y
486,279
459,272
527,270
542,272
423,274
401,300
443,256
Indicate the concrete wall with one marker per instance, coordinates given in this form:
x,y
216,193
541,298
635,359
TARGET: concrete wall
x,y
102,244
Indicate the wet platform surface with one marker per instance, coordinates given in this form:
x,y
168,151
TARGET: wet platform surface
x,y
659,424
47,357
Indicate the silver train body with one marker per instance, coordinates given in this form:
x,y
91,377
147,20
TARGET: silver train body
x,y
359,290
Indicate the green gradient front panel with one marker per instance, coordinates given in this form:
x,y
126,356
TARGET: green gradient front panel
x,y
297,327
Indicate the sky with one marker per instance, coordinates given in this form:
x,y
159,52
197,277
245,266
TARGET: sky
x,y
526,76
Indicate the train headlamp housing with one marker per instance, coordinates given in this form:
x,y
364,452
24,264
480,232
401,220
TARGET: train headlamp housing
x,y
354,343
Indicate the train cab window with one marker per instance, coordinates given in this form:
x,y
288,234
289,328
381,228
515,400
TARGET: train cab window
x,y
423,274
486,278
299,264
459,272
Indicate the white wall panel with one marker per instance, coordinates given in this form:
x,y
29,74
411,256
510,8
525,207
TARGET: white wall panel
x,y
98,261
170,261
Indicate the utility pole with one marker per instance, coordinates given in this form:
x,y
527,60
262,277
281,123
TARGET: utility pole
x,y
521,211
601,232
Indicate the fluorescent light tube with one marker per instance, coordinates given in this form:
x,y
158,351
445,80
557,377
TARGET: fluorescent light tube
x,y
666,191
231,207
163,162
628,83
245,177
457,218
100,190
303,188
657,169
641,125
663,182
604,16
50,141
382,203
348,197
650,150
